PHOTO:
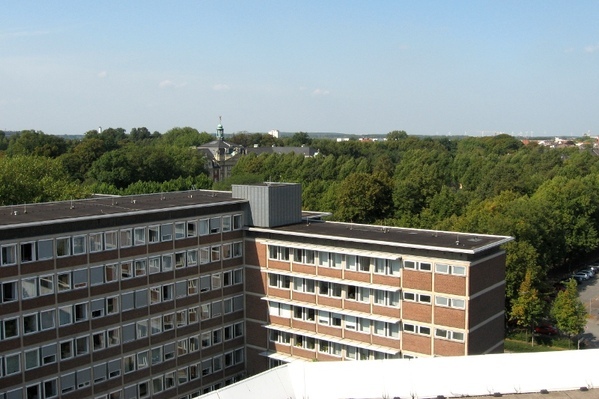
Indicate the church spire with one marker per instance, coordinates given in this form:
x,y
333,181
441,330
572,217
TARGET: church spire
x,y
220,131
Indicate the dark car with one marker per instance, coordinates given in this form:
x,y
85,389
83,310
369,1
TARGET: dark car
x,y
546,329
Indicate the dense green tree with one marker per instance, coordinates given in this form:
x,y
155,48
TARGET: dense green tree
x,y
568,311
299,139
186,137
26,179
30,142
139,134
363,198
527,308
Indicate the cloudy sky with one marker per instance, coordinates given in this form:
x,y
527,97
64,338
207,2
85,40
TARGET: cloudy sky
x,y
359,67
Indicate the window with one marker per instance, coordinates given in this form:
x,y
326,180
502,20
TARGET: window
x,y
180,231
99,372
226,223
9,255
64,281
324,259
129,332
456,303
114,368
126,270
414,297
166,231
386,329
110,240
179,260
66,349
114,336
422,266
45,249
140,267
168,321
111,273
112,305
153,234
28,252
129,364
127,301
47,319
169,351
416,329
83,377
386,298
79,245
96,275
192,228
238,250
205,311
126,238
192,257
323,317
30,323
204,227
141,298
448,334
65,315
63,246
204,283
11,328
142,360
79,278
226,251
192,287
80,312
32,359
238,276
139,235
29,288
12,364
50,388
49,354
81,346
215,225
168,292
154,264
96,243
167,263
216,281
9,291
215,253
181,318
237,222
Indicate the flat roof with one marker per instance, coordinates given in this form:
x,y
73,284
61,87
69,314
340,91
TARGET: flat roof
x,y
392,236
107,206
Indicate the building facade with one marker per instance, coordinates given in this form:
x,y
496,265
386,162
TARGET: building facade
x,y
172,295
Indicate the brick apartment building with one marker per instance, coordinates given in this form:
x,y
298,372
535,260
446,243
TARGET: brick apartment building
x,y
172,295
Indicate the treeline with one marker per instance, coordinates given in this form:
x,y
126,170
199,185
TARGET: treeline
x,y
39,167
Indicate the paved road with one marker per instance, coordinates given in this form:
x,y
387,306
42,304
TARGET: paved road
x,y
588,293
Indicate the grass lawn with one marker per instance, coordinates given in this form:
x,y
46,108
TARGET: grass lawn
x,y
519,341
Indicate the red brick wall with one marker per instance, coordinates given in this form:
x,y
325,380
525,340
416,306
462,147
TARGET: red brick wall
x,y
417,280
450,284
444,347
450,317
417,312
417,343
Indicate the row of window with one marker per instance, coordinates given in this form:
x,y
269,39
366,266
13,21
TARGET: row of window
x,y
48,319
32,287
439,332
330,348
83,345
335,260
110,240
335,290
440,268
82,378
326,318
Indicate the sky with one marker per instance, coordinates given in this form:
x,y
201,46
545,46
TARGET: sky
x,y
357,67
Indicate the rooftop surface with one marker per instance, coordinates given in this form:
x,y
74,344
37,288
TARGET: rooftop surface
x,y
395,236
108,205
543,375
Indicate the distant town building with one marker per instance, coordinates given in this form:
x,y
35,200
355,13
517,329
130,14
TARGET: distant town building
x,y
220,155
274,133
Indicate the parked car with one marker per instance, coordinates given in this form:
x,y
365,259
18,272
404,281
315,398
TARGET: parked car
x,y
589,271
594,267
580,277
546,329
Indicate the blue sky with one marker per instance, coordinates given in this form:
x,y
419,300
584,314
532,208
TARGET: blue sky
x,y
359,67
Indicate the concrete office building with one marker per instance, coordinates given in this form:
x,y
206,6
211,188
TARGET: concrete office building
x,y
177,294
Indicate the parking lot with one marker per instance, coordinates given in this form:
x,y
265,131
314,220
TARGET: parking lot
x,y
589,295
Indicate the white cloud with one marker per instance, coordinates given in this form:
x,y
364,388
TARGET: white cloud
x,y
165,84
320,92
591,48
102,74
221,87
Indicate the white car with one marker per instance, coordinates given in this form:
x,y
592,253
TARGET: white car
x,y
580,276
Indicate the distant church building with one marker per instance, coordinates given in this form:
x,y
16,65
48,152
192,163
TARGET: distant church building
x,y
221,156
